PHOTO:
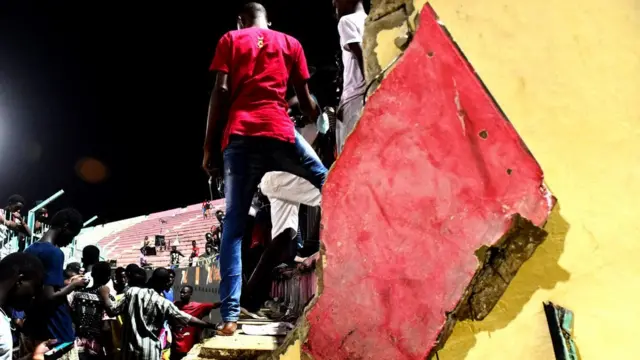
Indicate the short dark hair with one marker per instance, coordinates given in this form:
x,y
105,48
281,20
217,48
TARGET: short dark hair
x,y
67,217
14,199
159,278
74,266
101,270
90,254
23,263
130,269
253,10
121,270
137,276
188,287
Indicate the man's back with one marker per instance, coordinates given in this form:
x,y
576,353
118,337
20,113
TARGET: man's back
x,y
144,312
259,63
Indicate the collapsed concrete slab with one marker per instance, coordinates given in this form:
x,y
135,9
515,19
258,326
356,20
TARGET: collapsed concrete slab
x,y
428,213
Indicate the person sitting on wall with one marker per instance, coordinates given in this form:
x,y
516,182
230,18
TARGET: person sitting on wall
x,y
11,222
143,258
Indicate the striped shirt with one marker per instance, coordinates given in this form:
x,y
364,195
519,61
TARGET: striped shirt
x,y
144,312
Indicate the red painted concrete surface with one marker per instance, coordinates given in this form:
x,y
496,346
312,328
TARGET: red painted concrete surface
x,y
415,193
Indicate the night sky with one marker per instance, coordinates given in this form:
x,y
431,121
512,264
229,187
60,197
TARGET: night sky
x,y
127,86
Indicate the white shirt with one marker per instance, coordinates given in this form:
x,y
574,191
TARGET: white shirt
x,y
6,340
351,30
112,291
5,249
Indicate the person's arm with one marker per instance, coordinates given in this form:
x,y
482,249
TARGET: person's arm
x,y
40,350
116,308
194,321
76,282
356,50
14,226
299,78
53,278
218,107
181,318
180,253
219,101
351,40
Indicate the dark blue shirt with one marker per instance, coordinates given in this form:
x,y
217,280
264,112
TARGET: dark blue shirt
x,y
169,295
50,320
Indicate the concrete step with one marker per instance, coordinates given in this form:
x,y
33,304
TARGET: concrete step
x,y
239,346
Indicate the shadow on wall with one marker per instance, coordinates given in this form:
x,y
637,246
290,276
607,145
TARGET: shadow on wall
x,y
541,271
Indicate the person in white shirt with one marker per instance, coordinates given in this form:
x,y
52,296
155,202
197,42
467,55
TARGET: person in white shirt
x,y
351,17
21,277
11,221
285,192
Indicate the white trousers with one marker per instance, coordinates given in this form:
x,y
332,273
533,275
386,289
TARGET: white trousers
x,y
286,192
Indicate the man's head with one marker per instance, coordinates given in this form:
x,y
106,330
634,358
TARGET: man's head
x,y
208,236
15,203
220,215
65,224
252,15
160,280
185,293
21,276
172,278
346,7
70,271
90,255
121,275
174,248
101,273
136,275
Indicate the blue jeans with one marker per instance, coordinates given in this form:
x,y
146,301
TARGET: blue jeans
x,y
246,160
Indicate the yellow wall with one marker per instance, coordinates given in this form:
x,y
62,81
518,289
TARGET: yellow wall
x,y
567,75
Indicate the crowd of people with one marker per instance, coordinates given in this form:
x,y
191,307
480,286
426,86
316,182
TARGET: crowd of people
x,y
252,140
262,142
212,247
83,311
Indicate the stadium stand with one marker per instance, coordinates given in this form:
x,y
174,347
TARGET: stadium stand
x,y
122,240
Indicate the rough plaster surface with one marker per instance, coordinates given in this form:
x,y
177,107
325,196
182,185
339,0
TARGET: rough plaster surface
x,y
428,213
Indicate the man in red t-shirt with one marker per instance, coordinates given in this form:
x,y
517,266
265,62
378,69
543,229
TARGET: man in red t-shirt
x,y
187,336
253,66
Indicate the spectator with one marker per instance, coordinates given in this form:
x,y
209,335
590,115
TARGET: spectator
x,y
143,258
11,222
89,306
21,277
144,312
220,218
168,292
185,337
120,283
195,252
51,319
174,257
351,17
137,278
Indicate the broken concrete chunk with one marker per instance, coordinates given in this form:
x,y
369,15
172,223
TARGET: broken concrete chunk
x,y
425,221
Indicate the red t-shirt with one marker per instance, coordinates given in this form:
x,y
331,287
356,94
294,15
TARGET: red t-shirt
x,y
186,336
259,63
